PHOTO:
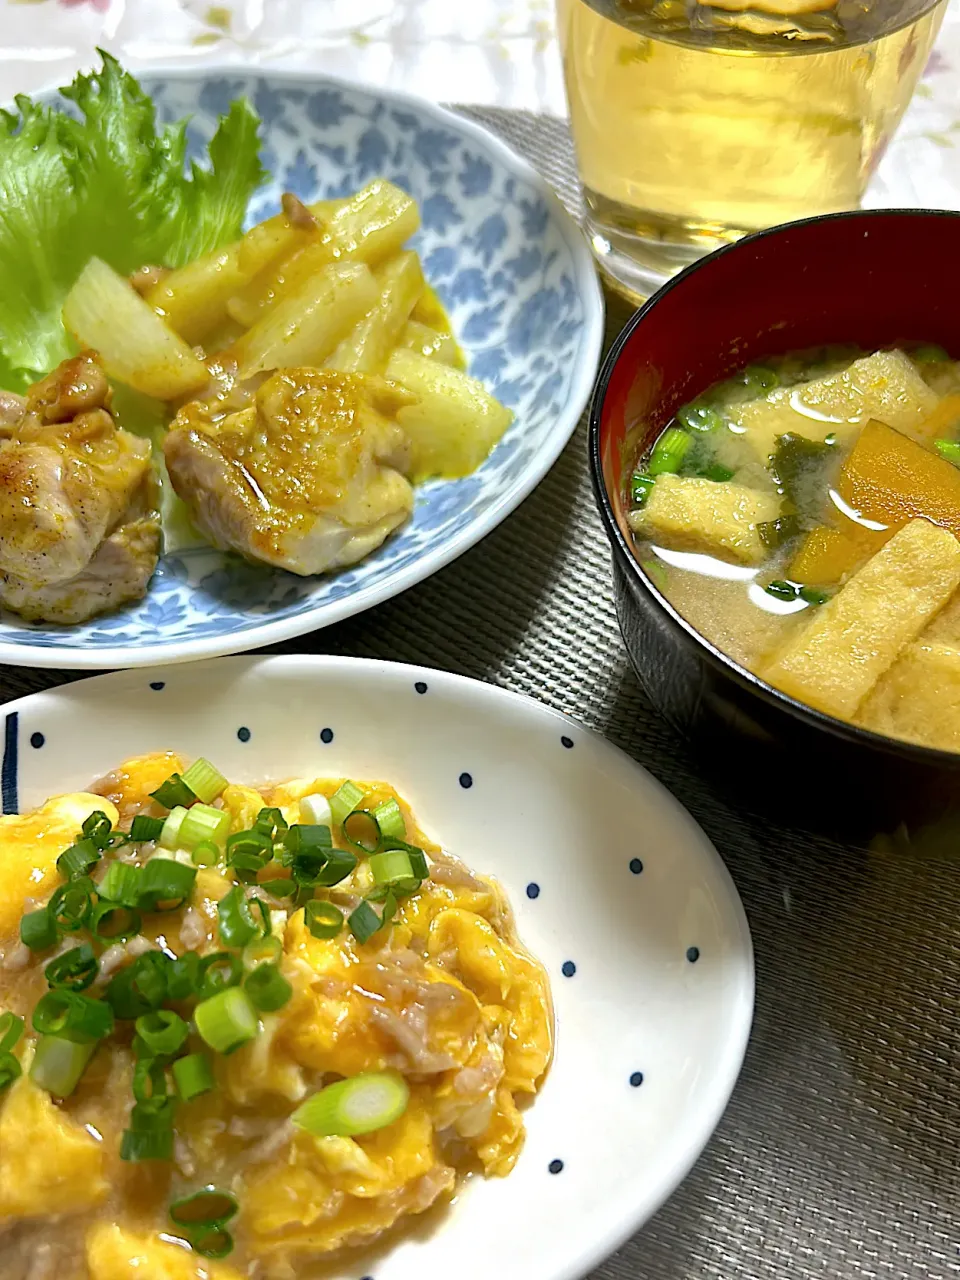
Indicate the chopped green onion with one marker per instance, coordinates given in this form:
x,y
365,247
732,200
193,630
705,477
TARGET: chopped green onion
x,y
270,822
718,473
218,971
258,905
364,922
58,1064
212,1242
72,1017
395,870
669,451
323,919
309,838
418,860
390,819
174,793
279,888
356,1106
262,951
10,1070
774,533
814,595
948,449
362,831
315,809
758,379
143,828
205,854
163,1032
139,988
345,800
11,1029
98,828
699,417
75,969
206,1208
165,884
169,837
149,1081
237,926
267,988
150,1136
249,850
306,868
78,859
113,922
121,884
71,904
227,1020
781,590
193,1076
205,781
204,823
641,487
339,864
930,353
183,977
38,930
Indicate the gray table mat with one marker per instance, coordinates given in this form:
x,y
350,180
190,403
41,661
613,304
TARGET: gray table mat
x,y
838,1154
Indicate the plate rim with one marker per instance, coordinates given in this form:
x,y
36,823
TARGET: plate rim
x,y
74,656
629,1220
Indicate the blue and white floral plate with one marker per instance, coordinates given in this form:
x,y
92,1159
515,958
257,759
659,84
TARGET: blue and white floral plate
x,y
517,277
615,888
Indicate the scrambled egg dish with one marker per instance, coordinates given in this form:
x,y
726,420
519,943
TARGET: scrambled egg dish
x,y
242,1029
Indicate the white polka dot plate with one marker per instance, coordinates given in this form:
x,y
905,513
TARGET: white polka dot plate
x,y
615,888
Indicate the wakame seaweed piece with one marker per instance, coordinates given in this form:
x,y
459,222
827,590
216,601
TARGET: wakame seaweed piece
x,y
776,533
800,467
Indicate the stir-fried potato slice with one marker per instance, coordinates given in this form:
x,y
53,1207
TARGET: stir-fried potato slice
x,y
442,347
105,313
455,422
308,322
367,347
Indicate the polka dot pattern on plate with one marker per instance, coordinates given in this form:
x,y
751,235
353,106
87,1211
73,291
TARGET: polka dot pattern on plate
x,y
568,968
533,890
636,866
326,735
157,685
693,954
555,1166
636,1079
421,686
243,733
37,740
466,781
567,742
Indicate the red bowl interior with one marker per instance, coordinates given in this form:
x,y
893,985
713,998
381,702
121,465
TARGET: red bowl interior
x,y
874,279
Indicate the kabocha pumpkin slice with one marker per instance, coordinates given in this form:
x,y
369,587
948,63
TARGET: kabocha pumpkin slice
x,y
828,556
837,658
890,480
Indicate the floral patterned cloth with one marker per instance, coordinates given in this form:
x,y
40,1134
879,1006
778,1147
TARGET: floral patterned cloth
x,y
491,52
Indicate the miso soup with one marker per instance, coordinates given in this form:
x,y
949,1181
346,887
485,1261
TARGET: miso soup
x,y
804,517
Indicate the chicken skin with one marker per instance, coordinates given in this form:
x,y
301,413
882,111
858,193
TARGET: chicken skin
x,y
308,478
78,535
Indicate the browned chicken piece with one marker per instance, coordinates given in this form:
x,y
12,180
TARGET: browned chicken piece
x,y
307,478
78,533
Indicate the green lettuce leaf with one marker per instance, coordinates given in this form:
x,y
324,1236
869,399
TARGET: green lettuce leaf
x,y
106,182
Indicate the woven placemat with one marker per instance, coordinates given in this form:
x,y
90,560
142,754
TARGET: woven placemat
x,y
838,1155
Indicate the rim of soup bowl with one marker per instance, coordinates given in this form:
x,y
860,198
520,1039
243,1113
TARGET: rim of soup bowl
x,y
626,556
